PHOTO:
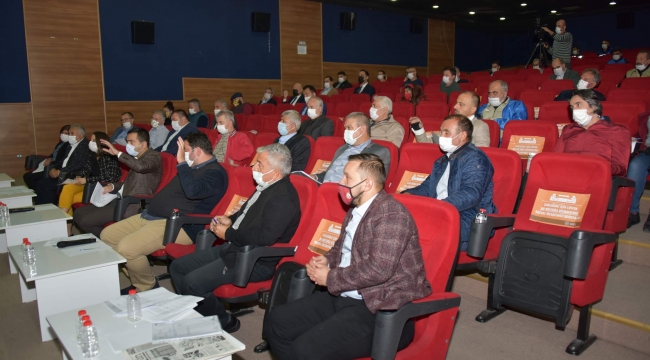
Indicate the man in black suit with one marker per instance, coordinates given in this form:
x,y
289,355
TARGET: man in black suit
x,y
297,95
343,82
268,97
181,127
309,92
75,159
298,144
364,87
317,125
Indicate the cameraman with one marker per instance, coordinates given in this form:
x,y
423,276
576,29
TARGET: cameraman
x,y
562,42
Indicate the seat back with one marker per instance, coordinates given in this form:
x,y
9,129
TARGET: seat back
x,y
415,165
453,96
282,107
265,109
343,109
252,122
212,136
270,124
432,109
307,190
146,127
556,110
359,98
394,157
625,95
495,132
168,170
437,96
625,113
339,98
525,137
403,109
534,99
557,86
636,83
323,152
263,139
364,107
467,86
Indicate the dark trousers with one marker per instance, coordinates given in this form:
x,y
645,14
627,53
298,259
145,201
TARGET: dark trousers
x,y
201,272
323,326
91,219
31,178
46,191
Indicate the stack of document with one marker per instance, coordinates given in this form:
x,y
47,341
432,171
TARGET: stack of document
x,y
157,305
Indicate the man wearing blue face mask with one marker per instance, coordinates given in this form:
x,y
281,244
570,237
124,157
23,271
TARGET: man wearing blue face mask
x,y
119,136
298,145
143,179
463,177
271,215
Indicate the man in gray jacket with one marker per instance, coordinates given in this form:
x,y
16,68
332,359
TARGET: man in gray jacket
x,y
561,72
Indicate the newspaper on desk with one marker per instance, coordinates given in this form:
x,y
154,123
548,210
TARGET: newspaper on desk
x,y
199,348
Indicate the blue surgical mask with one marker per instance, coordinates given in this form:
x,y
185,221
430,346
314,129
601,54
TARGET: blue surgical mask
x,y
282,128
130,149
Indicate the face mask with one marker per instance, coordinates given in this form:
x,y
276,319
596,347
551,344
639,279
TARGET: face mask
x,y
257,176
168,114
446,144
126,125
154,123
92,146
312,113
411,76
457,78
373,113
282,128
341,80
222,129
581,117
175,125
192,111
307,98
361,80
494,69
558,30
558,71
130,149
604,46
295,92
616,57
380,77
575,52
63,137
187,159
582,85
346,193
408,95
267,96
72,139
236,103
494,101
536,67
216,111
327,85
640,67
445,79
349,138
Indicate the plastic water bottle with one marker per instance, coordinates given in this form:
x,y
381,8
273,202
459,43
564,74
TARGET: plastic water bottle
x,y
30,255
133,306
24,248
175,214
90,344
80,326
481,217
4,214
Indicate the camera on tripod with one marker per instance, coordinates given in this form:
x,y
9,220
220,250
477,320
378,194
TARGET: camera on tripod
x,y
538,31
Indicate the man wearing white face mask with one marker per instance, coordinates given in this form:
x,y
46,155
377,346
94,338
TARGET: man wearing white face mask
x,y
231,147
298,145
458,79
594,134
328,87
642,68
309,92
463,177
317,125
617,57
412,77
448,83
268,97
496,66
562,42
562,72
589,80
606,49
342,82
197,116
537,67
500,107
271,215
357,141
199,185
181,127
158,132
383,126
119,136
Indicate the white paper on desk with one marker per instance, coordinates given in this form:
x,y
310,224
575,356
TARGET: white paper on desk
x,y
185,329
140,334
40,168
172,309
147,299
100,199
85,248
52,242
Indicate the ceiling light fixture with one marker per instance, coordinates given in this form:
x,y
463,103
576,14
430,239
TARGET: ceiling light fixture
x,y
502,18
524,4
613,3
553,11
472,13
435,6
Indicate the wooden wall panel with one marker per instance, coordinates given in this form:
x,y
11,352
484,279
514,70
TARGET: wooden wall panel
x,y
17,138
209,90
352,70
301,20
65,67
141,110
442,36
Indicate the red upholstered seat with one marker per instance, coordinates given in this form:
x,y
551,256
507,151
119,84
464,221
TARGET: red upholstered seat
x,y
263,139
282,107
394,156
545,130
414,157
557,86
252,122
432,109
626,114
636,83
364,107
403,109
324,149
535,99
266,109
270,124
343,109
495,133
359,98
627,95
556,110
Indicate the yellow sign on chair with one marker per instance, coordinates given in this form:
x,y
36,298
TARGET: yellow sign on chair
x,y
559,208
524,145
326,235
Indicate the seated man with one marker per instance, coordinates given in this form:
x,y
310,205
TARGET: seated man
x,y
158,132
638,171
198,187
181,127
466,105
268,97
143,179
412,77
297,98
458,79
605,49
617,57
231,146
343,82
60,152
357,139
271,215
642,65
298,145
309,92
239,106
119,136
364,86
448,83
536,66
463,177
500,107
328,87
594,134
73,161
589,79
339,323
197,117
561,72
381,76
383,126
575,52
496,66
317,125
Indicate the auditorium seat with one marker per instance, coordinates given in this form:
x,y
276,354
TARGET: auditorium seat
x,y
324,149
339,126
146,127
280,108
582,67
431,109
556,110
453,96
359,98
516,88
467,86
240,119
479,77
211,120
536,131
265,138
204,130
270,124
437,96
364,107
537,79
252,122
343,109
559,223
429,125
482,89
533,99
394,155
614,74
403,109
415,158
266,109
495,132
605,87
557,86
255,109
340,98
625,113
636,83
627,95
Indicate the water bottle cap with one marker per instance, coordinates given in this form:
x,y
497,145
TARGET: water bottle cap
x,y
175,210
483,210
132,291
25,240
81,312
88,323
85,318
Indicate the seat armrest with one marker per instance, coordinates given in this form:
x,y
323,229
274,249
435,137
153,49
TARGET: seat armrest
x,y
173,226
204,240
617,183
480,233
248,255
389,324
89,188
580,247
121,203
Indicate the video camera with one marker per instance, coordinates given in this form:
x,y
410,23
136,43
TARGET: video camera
x,y
538,31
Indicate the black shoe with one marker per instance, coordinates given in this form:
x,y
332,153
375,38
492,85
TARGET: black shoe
x,y
646,225
126,290
633,219
232,325
156,285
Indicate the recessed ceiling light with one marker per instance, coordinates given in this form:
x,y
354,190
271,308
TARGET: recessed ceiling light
x,y
435,6
502,18
524,4
472,13
613,3
553,11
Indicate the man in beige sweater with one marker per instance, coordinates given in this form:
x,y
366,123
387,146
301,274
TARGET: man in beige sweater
x,y
466,104
383,126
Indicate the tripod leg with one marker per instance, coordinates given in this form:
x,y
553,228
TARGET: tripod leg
x,y
531,56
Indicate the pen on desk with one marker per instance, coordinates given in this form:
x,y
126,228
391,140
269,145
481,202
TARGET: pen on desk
x,y
87,249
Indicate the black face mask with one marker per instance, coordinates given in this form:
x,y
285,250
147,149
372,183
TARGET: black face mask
x,y
295,92
361,80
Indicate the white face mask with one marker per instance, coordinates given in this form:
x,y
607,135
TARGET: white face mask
x,y
558,71
257,176
575,52
640,67
446,144
582,85
349,138
380,77
616,57
327,85
312,113
558,30
494,69
222,129
187,159
445,79
267,96
581,117
130,149
604,46
536,67
92,146
175,125
192,111
341,80
63,137
216,111
126,125
72,139
154,123
457,78
411,76
307,98
494,101
373,113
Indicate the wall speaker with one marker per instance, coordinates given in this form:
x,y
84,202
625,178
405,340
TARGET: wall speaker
x,y
625,20
417,25
348,20
261,22
142,32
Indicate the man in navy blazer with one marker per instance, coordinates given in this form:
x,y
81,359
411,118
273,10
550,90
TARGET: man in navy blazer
x,y
364,87
181,127
309,92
